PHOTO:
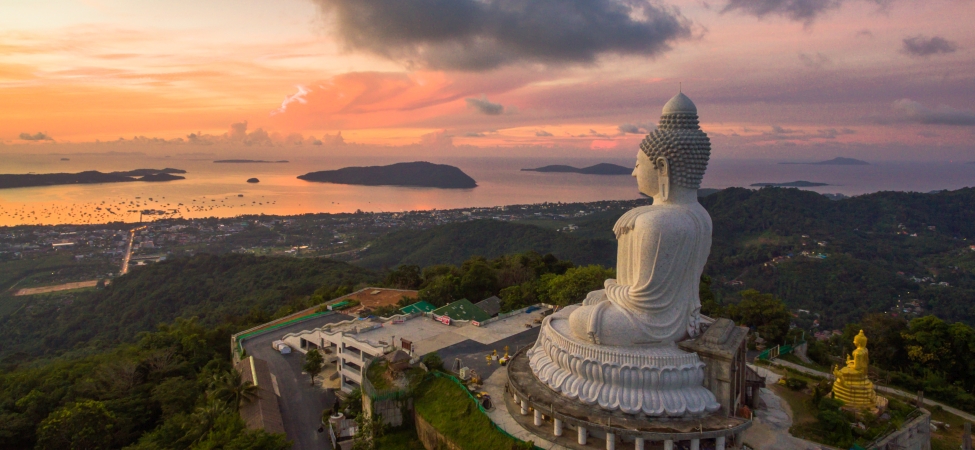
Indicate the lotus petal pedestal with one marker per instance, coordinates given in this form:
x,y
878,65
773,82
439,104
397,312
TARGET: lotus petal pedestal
x,y
653,380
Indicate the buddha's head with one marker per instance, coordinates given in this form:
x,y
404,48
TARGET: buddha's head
x,y
860,340
675,155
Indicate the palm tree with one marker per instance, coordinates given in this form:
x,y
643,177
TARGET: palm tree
x,y
231,387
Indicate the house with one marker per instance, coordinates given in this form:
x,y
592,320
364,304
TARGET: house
x,y
490,305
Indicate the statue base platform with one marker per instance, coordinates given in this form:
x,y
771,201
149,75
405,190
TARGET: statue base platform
x,y
572,424
650,380
876,409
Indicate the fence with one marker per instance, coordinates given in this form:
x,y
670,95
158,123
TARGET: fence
x,y
508,314
476,402
239,339
378,395
777,351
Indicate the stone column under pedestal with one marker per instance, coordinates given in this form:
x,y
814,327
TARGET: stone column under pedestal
x,y
524,408
610,441
719,443
538,418
695,444
668,445
582,435
639,443
558,427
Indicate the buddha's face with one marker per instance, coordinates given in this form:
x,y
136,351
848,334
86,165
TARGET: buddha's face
x,y
646,176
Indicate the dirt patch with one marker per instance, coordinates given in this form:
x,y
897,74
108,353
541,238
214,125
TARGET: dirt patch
x,y
375,297
56,288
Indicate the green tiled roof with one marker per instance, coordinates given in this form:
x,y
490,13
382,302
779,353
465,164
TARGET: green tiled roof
x,y
462,310
420,306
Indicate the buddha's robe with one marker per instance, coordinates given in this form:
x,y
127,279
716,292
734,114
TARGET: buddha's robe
x,y
655,297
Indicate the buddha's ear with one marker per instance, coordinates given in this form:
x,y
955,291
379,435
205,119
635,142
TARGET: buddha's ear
x,y
662,166
663,177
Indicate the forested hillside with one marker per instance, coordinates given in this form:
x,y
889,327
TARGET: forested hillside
x,y
455,243
862,254
225,289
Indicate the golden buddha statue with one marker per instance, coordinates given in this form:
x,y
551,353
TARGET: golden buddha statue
x,y
852,385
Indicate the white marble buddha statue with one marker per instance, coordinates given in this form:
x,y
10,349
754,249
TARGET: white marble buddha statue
x,y
662,247
618,349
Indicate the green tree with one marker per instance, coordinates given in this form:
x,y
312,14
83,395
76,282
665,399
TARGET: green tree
x,y
441,290
572,286
709,304
514,297
432,361
884,339
314,363
231,387
763,312
83,425
834,423
405,277
479,281
369,430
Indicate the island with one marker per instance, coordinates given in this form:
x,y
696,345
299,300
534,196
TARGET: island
x,y
799,183
253,180
8,181
247,161
598,169
413,174
839,161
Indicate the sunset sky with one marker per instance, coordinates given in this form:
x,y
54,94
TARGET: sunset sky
x,y
881,79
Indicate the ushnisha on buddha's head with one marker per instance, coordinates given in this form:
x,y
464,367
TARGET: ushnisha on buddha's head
x,y
672,159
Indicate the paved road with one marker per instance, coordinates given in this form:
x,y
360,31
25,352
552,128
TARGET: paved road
x,y
472,353
301,403
927,401
128,254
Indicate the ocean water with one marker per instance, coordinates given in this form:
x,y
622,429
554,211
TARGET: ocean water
x,y
220,190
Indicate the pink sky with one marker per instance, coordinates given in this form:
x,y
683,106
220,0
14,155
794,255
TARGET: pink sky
x,y
772,78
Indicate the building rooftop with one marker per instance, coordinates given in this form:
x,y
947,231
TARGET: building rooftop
x,y
418,307
490,305
462,309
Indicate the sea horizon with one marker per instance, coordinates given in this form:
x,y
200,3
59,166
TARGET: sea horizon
x,y
220,190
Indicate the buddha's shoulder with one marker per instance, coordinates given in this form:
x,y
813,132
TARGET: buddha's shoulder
x,y
664,215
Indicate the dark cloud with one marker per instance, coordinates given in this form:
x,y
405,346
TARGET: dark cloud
x,y
778,130
483,106
474,135
543,133
629,128
922,46
832,133
816,61
593,133
640,128
799,10
864,33
806,11
485,34
35,137
913,111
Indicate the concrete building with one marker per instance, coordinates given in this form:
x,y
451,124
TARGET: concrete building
x,y
345,344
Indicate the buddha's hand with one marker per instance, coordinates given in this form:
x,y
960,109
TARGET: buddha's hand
x,y
594,297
